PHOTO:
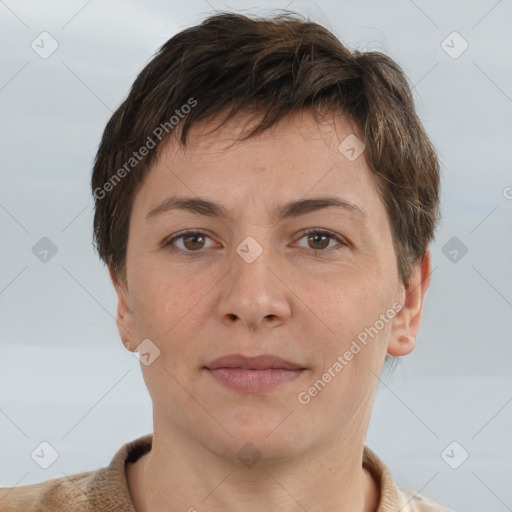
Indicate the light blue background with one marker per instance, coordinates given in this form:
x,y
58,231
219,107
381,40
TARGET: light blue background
x,y
66,378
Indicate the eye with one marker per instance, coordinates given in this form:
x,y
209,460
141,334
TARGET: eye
x,y
321,238
192,241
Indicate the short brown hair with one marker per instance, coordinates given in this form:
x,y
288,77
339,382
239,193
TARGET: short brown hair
x,y
270,67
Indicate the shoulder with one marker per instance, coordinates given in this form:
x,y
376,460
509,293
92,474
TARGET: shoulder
x,y
414,502
394,497
105,489
58,494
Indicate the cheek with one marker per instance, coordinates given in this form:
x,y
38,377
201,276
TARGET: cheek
x,y
166,312
353,315
352,339
347,301
163,304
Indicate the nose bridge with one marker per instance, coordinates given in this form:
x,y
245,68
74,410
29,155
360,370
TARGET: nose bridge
x,y
254,291
252,260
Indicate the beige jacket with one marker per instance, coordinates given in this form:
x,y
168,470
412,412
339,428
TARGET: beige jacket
x,y
106,490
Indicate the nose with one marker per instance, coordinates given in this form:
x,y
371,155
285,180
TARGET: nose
x,y
254,291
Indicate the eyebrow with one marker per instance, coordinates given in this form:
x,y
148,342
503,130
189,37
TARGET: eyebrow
x,y
289,210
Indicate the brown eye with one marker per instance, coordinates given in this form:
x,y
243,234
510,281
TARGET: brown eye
x,y
192,241
319,240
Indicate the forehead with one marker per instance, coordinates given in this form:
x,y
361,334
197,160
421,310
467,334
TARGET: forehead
x,y
296,158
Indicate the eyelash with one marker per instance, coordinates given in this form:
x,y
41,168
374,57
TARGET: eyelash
x,y
309,231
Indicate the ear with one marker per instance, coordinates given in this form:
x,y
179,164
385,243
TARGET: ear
x,y
407,321
124,317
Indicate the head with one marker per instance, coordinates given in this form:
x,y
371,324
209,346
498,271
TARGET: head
x,y
252,115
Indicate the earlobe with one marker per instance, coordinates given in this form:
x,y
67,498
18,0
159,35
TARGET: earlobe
x,y
401,346
124,316
406,323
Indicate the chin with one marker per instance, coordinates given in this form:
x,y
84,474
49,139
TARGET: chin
x,y
251,447
258,433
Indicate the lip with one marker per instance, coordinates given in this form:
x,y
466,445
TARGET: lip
x,y
253,374
262,362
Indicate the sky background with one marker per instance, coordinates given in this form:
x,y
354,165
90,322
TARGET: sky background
x,y
65,377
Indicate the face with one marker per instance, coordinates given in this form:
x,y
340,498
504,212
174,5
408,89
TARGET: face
x,y
250,280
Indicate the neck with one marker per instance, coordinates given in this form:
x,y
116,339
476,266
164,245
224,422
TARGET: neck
x,y
181,474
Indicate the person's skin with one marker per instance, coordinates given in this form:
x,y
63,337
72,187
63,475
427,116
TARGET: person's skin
x,y
303,306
